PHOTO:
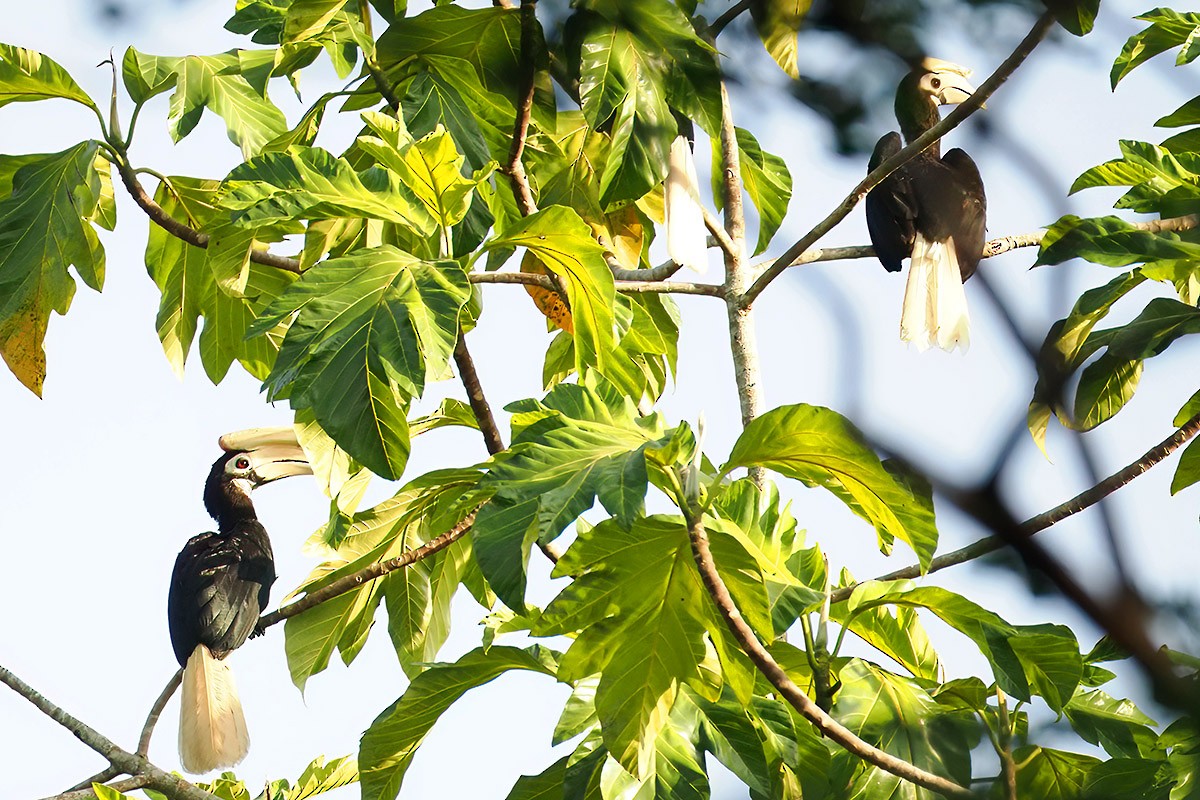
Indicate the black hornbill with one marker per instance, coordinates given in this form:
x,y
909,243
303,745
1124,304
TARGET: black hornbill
x,y
932,209
220,584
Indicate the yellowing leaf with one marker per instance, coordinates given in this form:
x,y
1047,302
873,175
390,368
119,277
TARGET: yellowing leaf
x,y
552,304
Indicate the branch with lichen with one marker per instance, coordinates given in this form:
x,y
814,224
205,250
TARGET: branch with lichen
x,y
125,763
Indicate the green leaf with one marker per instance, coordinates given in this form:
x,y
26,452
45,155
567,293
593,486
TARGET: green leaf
x,y
185,276
1187,472
431,168
339,623
486,38
390,744
1167,29
27,75
431,101
1076,16
370,329
546,785
1110,241
232,85
317,778
308,18
1067,345
765,178
621,82
898,716
778,22
899,633
1108,383
819,447
1051,774
563,242
644,643
418,604
576,451
45,229
1116,725
310,183
1130,779
1026,659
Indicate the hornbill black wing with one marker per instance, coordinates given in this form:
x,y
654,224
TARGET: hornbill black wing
x,y
890,208
220,585
970,211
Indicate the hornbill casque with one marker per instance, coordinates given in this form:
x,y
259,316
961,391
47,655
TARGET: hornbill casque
x,y
220,585
931,210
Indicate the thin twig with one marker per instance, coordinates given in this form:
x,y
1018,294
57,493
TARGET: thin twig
x,y
103,776
719,234
1046,519
162,219
773,672
475,397
659,273
143,748
514,168
347,583
626,287
87,793
128,763
731,13
876,176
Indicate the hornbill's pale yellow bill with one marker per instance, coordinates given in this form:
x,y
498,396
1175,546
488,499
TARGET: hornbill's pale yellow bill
x,y
220,585
932,210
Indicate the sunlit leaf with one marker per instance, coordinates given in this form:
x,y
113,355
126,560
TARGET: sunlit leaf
x,y
45,229
778,22
390,744
819,447
27,75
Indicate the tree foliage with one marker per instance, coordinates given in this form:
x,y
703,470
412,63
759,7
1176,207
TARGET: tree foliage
x,y
387,244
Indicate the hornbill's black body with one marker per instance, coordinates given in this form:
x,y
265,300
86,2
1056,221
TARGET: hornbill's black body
x,y
932,209
220,585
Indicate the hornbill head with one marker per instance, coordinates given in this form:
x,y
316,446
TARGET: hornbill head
x,y
252,458
944,82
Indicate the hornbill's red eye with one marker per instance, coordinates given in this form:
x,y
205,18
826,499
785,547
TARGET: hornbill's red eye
x,y
242,463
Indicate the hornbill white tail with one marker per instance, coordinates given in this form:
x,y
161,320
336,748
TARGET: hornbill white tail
x,y
220,584
932,209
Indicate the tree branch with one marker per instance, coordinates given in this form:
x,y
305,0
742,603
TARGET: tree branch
x,y
133,765
1041,522
627,287
742,344
475,396
179,230
347,583
143,748
773,672
731,13
126,785
876,176
513,167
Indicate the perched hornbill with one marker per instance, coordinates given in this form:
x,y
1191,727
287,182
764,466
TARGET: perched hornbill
x,y
932,209
220,584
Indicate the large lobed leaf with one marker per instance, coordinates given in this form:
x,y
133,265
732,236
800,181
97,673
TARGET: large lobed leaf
x,y
563,243
370,329
567,451
46,227
188,278
640,612
765,179
232,85
819,447
27,75
390,744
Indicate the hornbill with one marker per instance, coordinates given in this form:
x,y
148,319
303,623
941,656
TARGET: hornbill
x,y
931,209
220,584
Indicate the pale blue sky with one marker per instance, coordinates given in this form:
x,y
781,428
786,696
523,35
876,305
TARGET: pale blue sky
x,y
101,485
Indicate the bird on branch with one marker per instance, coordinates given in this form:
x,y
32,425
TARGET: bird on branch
x,y
931,210
220,585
